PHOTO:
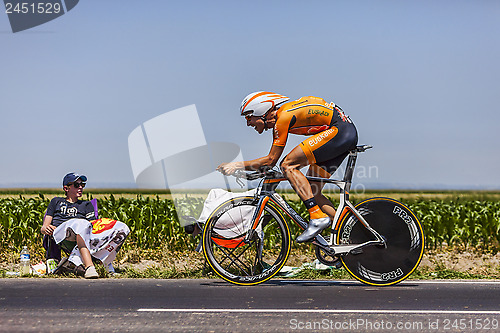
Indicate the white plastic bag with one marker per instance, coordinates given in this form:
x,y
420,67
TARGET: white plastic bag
x,y
233,223
103,238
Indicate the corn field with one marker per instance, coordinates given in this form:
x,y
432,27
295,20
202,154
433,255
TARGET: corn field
x,y
468,224
153,221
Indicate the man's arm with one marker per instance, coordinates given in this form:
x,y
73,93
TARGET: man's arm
x,y
270,160
47,227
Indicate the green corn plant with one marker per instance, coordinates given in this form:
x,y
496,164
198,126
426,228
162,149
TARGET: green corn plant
x,y
154,221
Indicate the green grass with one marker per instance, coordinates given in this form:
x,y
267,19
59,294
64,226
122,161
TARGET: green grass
x,y
451,219
188,264
305,274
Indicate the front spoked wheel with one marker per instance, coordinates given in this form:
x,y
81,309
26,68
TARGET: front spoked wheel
x,y
400,228
240,259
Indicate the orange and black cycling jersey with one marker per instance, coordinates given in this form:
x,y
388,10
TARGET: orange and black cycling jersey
x,y
306,116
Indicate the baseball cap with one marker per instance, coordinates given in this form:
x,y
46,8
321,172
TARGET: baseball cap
x,y
72,177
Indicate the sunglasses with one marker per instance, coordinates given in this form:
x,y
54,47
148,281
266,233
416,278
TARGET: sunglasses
x,y
248,115
79,184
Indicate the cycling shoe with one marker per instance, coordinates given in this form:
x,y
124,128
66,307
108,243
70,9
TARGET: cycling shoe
x,y
314,227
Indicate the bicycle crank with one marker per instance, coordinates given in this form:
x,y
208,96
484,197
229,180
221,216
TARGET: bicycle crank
x,y
327,259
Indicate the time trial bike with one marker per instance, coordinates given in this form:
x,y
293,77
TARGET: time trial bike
x,y
246,240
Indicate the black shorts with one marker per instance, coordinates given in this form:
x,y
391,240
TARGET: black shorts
x,y
329,148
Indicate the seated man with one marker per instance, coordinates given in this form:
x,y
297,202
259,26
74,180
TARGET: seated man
x,y
72,219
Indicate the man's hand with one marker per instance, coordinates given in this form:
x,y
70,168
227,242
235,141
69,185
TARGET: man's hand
x,y
229,168
48,229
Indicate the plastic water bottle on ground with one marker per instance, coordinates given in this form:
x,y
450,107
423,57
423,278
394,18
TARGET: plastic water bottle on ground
x,y
25,267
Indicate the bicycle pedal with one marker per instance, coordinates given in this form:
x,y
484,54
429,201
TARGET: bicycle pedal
x,y
356,251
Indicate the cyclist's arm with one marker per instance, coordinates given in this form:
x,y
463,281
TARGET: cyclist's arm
x,y
280,134
270,160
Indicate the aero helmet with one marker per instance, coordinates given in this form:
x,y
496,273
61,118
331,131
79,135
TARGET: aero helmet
x,y
260,102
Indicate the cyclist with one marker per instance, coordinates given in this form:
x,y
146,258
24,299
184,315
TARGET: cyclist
x,y
332,135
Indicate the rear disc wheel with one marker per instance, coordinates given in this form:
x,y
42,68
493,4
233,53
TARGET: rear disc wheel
x,y
402,232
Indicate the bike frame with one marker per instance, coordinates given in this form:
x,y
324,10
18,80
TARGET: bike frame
x,y
268,193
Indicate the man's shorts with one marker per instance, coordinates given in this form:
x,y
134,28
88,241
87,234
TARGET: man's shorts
x,y
329,148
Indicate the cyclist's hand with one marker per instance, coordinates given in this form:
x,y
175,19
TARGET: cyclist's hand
x,y
228,168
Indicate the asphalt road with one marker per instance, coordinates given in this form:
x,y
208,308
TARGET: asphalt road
x,y
142,305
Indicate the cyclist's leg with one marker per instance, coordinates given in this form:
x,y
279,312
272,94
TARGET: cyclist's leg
x,y
325,152
291,165
307,153
326,205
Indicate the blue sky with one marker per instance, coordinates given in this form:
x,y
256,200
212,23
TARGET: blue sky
x,y
419,80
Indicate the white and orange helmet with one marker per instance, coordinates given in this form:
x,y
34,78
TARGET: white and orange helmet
x,y
260,102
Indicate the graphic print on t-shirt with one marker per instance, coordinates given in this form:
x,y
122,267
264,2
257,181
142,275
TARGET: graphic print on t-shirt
x,y
68,211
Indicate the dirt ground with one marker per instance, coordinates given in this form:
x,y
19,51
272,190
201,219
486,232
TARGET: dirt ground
x,y
460,261
467,262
